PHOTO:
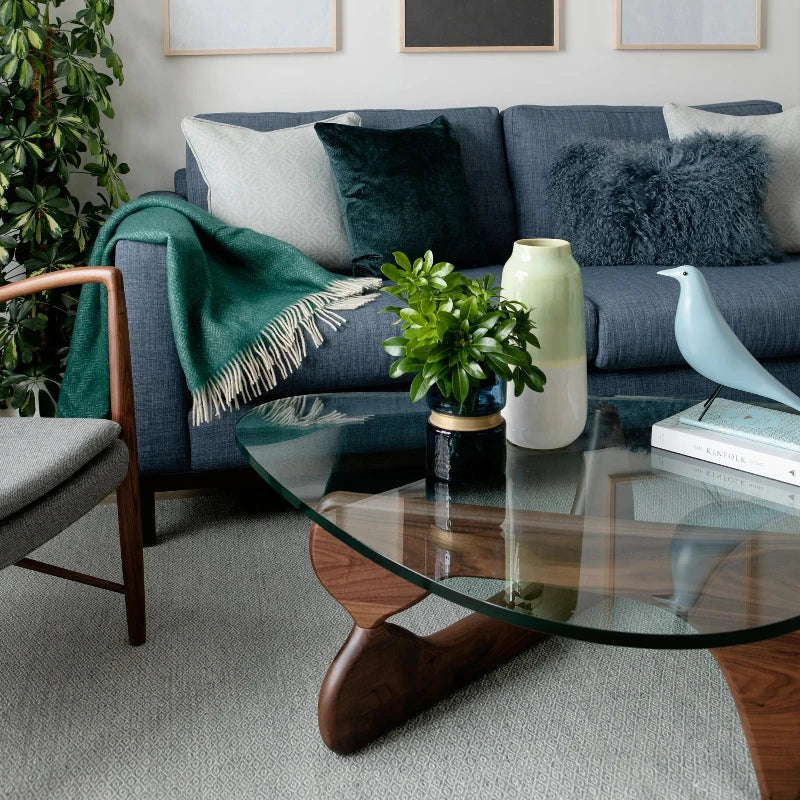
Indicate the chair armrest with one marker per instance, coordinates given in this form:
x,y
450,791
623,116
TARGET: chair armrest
x,y
60,279
163,193
119,352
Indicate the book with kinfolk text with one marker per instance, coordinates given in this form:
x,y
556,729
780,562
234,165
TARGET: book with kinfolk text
x,y
762,441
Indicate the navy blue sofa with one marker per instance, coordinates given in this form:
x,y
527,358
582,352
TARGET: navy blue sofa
x,y
628,309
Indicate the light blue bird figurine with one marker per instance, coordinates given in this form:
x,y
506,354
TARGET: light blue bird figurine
x,y
711,348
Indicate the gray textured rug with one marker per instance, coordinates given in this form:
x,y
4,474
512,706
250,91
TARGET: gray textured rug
x,y
221,701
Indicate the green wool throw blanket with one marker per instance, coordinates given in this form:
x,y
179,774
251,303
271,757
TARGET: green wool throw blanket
x,y
241,305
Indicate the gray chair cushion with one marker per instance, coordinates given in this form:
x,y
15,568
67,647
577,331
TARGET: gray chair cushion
x,y
534,134
479,134
39,522
636,312
43,453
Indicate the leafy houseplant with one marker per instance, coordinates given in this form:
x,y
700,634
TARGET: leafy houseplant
x,y
457,334
52,96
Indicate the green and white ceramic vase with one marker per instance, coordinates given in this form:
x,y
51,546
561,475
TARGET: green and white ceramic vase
x,y
543,274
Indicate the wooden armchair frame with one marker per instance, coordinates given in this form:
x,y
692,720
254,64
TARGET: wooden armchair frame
x,y
122,412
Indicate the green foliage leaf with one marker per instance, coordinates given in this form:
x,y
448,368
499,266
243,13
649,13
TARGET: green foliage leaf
x,y
25,74
488,345
419,387
474,369
395,346
392,272
402,260
460,385
503,330
34,323
10,68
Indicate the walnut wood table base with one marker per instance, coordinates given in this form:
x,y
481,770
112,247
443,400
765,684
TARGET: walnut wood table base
x,y
764,679
384,674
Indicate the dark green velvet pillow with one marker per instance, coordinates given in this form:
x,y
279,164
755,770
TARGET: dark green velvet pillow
x,y
403,190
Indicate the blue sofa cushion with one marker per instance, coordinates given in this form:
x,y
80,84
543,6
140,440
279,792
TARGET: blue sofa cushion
x,y
636,312
349,360
534,134
480,137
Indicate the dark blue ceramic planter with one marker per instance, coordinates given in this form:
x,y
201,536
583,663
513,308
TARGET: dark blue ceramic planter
x,y
466,442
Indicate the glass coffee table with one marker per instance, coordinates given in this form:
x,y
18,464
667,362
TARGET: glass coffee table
x,y
604,541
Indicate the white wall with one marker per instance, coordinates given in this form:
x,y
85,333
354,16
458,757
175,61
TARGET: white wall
x,y
368,71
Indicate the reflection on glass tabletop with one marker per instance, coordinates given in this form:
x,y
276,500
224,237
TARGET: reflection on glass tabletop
x,y
604,540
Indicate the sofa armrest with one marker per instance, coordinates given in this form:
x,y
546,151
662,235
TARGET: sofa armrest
x,y
161,396
162,193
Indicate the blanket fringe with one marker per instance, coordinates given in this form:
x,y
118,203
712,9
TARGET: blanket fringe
x,y
294,412
280,347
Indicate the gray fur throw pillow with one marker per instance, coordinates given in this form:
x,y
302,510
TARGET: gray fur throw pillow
x,y
696,201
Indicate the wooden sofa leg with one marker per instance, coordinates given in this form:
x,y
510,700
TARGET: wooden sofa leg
x,y
129,514
147,500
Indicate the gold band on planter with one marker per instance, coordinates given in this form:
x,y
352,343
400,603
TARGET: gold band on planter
x,y
450,422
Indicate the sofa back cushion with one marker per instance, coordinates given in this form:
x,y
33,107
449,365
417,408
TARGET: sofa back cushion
x,y
636,312
278,183
401,190
535,134
696,201
479,134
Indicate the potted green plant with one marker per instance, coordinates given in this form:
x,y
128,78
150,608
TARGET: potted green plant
x,y
54,94
462,342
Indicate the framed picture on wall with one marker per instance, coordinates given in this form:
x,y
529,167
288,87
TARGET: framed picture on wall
x,y
687,24
475,25
212,27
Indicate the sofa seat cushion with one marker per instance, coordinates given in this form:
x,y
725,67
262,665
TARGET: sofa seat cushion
x,y
480,137
535,134
41,454
349,360
37,523
636,311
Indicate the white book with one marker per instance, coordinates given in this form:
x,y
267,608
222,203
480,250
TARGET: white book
x,y
734,483
728,450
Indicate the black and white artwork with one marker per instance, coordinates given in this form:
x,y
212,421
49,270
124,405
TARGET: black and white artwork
x,y
474,25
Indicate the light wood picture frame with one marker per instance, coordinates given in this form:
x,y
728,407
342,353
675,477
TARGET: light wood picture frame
x,y
222,27
468,26
688,24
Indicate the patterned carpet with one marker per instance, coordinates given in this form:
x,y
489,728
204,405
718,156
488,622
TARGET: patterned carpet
x,y
221,701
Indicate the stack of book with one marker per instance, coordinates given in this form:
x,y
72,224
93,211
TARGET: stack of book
x,y
761,441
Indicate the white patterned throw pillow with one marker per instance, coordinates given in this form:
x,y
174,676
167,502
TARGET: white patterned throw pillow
x,y
275,182
781,133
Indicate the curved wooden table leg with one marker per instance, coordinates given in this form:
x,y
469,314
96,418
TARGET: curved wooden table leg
x,y
385,674
764,679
